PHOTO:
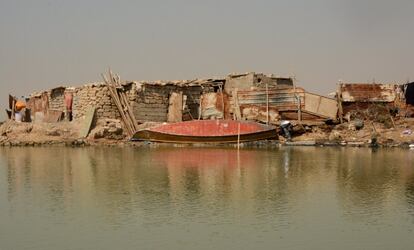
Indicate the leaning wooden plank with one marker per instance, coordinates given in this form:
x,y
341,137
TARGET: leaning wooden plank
x,y
117,102
87,122
125,111
236,106
129,111
175,108
13,109
124,98
121,101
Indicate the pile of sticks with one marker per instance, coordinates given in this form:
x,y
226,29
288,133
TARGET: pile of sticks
x,y
120,98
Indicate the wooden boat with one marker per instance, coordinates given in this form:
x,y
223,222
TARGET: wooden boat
x,y
207,131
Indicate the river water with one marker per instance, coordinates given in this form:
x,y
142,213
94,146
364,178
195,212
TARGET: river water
x,y
202,198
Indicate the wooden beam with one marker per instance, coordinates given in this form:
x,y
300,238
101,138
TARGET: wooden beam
x,y
267,103
339,100
236,107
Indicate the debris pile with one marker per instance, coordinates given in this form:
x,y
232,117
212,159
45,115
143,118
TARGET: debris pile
x,y
108,129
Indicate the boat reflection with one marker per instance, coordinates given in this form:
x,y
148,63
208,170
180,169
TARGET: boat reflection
x,y
123,181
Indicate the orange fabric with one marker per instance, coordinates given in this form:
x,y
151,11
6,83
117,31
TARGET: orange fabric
x,y
20,105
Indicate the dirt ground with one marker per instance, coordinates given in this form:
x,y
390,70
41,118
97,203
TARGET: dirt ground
x,y
400,134
110,132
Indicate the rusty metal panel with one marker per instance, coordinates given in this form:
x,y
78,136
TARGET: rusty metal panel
x,y
259,105
365,92
280,98
38,103
212,106
321,106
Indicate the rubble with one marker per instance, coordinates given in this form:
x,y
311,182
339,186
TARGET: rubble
x,y
108,129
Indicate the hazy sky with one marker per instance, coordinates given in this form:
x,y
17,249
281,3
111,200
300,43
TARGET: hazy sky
x,y
51,43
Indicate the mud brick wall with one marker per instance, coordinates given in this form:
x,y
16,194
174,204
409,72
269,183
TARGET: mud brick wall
x,y
56,99
150,102
95,95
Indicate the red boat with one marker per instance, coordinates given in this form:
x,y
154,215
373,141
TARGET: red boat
x,y
207,131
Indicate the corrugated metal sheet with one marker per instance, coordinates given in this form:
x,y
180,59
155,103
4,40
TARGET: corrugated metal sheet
x,y
283,104
280,98
365,92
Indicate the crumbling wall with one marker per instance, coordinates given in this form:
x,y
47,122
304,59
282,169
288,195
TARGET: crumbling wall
x,y
366,98
254,80
215,106
150,101
94,95
56,99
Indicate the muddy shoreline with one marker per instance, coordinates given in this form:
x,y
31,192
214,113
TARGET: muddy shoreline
x,y
256,144
110,133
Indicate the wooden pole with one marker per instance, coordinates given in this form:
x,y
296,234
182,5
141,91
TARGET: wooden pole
x,y
200,108
222,99
238,136
114,93
299,109
339,100
13,109
267,103
121,100
297,99
236,106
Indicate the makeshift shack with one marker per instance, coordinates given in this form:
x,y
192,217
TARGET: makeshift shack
x,y
267,98
250,96
372,101
171,101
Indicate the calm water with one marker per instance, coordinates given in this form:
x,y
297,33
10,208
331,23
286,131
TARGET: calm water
x,y
200,198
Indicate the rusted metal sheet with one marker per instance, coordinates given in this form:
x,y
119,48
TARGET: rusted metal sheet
x,y
38,103
284,102
214,106
321,106
365,92
207,131
267,106
280,98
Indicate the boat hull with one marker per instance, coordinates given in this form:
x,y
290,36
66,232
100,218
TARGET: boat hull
x,y
207,132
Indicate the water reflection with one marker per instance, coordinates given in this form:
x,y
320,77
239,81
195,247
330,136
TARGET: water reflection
x,y
117,177
266,190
